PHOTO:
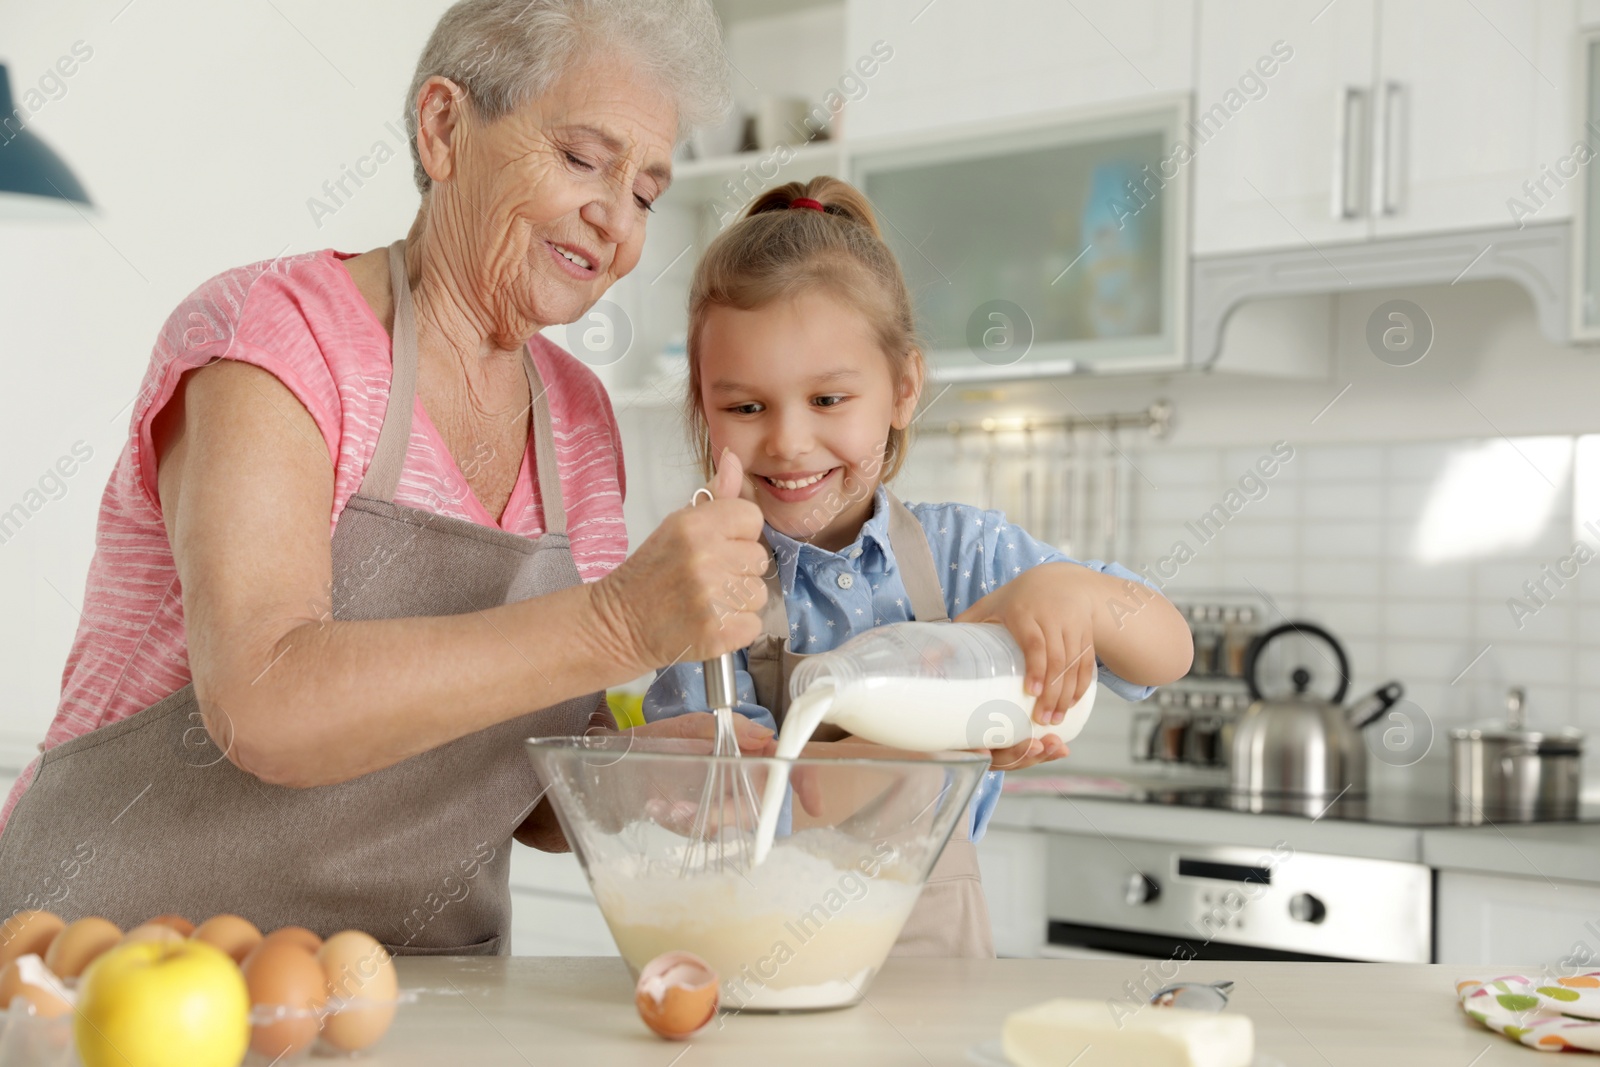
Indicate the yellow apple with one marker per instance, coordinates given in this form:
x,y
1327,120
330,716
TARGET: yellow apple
x,y
155,1003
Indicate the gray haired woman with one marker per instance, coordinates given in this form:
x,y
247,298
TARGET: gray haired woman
x,y
366,533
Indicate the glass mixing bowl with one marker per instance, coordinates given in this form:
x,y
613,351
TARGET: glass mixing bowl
x,y
808,927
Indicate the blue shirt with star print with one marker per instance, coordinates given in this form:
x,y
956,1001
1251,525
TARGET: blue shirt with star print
x,y
832,596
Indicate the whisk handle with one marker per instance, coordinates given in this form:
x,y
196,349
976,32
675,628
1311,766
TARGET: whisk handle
x,y
721,689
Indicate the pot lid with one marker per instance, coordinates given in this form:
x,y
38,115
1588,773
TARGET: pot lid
x,y
1566,740
1562,741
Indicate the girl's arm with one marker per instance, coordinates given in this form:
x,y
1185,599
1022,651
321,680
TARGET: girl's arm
x,y
1066,616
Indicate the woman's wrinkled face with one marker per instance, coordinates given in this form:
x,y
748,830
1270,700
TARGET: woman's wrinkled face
x,y
550,201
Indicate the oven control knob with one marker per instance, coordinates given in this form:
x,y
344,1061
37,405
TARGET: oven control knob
x,y
1143,889
1307,908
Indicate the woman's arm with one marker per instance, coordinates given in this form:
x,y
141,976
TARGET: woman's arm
x,y
299,698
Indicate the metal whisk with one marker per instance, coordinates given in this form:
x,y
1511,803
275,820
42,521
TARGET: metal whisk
x,y
723,831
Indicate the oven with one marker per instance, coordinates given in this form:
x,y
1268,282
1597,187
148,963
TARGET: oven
x,y
1121,897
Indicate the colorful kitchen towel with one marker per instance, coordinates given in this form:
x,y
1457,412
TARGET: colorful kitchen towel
x,y
1547,1013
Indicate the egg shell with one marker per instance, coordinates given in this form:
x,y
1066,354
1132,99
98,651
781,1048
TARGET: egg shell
x,y
287,993
177,922
77,946
676,995
299,935
28,978
358,969
28,932
151,932
234,935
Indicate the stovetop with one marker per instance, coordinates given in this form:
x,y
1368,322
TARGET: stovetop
x,y
1377,808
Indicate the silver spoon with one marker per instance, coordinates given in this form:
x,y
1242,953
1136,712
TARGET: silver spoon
x,y
1195,996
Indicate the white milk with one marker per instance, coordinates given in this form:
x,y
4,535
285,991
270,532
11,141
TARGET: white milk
x,y
808,930
918,714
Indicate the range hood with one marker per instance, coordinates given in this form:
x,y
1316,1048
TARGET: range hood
x,y
1538,257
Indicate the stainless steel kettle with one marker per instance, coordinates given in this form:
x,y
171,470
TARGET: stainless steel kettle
x,y
1302,744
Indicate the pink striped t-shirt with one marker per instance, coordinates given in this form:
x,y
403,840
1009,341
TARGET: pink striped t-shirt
x,y
303,320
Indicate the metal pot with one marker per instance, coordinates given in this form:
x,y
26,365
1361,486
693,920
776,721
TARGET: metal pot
x,y
1503,771
1302,744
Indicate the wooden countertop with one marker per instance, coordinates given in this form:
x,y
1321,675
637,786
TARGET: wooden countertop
x,y
523,1010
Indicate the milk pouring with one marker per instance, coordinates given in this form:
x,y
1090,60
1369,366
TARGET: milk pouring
x,y
921,686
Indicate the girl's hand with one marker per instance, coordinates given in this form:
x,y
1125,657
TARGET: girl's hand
x,y
1027,753
1050,615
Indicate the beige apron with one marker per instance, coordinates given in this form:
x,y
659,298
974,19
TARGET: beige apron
x,y
146,816
951,917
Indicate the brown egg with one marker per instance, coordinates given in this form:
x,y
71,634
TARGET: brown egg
x,y
676,995
230,933
177,922
28,931
287,993
359,970
28,978
77,946
299,935
152,932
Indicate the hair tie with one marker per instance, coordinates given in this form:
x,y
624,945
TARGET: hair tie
x,y
806,201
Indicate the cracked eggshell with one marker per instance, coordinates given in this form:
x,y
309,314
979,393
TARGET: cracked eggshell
x,y
676,994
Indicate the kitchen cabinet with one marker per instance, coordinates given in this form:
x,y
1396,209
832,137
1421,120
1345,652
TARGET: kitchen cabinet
x,y
1386,118
553,910
957,63
1013,868
1586,198
1496,918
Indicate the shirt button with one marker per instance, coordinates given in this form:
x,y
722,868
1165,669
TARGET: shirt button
x,y
855,554
846,580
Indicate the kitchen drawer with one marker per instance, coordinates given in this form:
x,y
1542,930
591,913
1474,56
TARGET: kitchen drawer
x,y
547,924
1495,920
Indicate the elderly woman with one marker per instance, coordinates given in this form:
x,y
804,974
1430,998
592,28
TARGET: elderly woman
x,y
366,534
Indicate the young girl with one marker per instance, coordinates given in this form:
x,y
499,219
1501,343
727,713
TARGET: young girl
x,y
804,375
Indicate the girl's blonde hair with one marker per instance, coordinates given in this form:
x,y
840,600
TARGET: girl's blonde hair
x,y
777,251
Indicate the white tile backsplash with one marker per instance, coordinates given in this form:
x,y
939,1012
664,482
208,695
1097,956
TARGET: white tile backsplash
x,y
1342,501
1342,463
1338,539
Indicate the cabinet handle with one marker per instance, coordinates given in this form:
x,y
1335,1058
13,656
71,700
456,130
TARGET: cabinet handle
x,y
1350,155
1390,169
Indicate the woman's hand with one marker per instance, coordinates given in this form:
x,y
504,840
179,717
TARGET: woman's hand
x,y
1051,616
694,588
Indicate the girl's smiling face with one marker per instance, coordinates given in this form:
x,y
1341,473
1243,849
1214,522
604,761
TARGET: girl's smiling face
x,y
801,392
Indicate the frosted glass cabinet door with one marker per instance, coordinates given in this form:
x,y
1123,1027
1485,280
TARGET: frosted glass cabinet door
x,y
1043,249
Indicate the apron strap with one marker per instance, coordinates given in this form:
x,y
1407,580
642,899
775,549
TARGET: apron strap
x,y
770,659
383,475
389,455
914,556
545,467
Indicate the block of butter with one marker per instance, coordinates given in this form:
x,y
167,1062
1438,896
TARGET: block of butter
x,y
1058,1032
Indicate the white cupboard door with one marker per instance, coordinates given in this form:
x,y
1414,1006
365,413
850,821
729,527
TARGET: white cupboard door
x,y
949,62
1012,864
1473,100
1282,123
1494,920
